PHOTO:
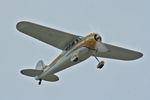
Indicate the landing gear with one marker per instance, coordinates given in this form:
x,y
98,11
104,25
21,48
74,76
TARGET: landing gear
x,y
101,64
40,82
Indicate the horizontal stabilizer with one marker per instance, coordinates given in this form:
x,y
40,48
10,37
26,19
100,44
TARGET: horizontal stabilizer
x,y
31,72
51,78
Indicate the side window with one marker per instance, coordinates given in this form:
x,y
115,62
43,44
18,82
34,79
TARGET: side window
x,y
69,46
77,40
73,43
66,49
80,37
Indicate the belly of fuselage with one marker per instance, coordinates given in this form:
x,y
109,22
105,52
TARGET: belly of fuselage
x,y
66,62
84,49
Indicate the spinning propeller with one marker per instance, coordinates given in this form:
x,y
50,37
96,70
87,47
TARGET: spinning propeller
x,y
99,46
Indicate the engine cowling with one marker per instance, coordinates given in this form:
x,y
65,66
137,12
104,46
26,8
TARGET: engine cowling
x,y
98,38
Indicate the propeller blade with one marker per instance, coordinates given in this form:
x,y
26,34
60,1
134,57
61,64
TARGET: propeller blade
x,y
100,47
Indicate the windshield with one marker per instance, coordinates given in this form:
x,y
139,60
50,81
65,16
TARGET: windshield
x,y
80,37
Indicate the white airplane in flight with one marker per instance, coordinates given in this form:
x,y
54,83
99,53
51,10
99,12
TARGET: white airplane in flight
x,y
74,50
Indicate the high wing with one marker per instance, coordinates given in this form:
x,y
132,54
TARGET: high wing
x,y
50,36
119,53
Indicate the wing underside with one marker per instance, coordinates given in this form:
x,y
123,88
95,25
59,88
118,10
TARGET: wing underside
x,y
61,39
50,36
31,72
115,52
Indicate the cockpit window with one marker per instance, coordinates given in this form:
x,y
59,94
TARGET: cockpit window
x,y
77,40
80,37
73,43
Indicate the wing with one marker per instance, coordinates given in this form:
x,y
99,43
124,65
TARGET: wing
x,y
50,36
119,53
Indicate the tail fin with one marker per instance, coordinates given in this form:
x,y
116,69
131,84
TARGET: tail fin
x,y
40,65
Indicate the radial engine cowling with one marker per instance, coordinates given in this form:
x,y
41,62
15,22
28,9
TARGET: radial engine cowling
x,y
98,38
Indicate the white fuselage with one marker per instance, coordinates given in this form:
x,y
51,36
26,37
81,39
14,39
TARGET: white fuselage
x,y
64,62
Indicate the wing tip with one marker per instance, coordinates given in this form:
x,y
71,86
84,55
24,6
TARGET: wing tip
x,y
31,72
137,56
140,55
20,25
21,72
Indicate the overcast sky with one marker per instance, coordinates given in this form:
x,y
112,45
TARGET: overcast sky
x,y
124,23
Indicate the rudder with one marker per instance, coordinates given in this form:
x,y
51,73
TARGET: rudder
x,y
40,65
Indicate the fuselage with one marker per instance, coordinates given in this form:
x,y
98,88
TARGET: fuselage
x,y
82,46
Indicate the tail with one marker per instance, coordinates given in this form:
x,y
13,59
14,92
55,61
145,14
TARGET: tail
x,y
34,72
40,65
37,71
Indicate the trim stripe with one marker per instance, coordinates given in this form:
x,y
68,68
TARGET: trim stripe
x,y
55,60
90,44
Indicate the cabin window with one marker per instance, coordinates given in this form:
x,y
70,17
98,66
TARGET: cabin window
x,y
73,43
78,39
66,48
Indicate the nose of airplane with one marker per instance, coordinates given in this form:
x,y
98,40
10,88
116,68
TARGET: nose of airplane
x,y
98,38
99,46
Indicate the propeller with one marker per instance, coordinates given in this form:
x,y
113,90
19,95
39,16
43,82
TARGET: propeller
x,y
99,46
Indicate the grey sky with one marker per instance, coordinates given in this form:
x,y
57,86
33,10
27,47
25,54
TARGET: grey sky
x,y
120,22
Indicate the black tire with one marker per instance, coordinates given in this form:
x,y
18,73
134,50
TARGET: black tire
x,y
100,65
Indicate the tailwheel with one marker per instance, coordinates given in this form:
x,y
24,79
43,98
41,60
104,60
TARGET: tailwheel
x,y
40,81
100,65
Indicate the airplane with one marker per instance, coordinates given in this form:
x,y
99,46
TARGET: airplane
x,y
75,49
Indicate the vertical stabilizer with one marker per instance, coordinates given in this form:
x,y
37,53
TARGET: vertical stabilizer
x,y
40,65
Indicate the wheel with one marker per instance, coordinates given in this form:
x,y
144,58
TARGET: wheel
x,y
40,82
100,65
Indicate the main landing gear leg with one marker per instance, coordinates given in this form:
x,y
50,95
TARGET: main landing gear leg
x,y
40,82
101,64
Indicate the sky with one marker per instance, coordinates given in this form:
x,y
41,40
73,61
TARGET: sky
x,y
123,23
